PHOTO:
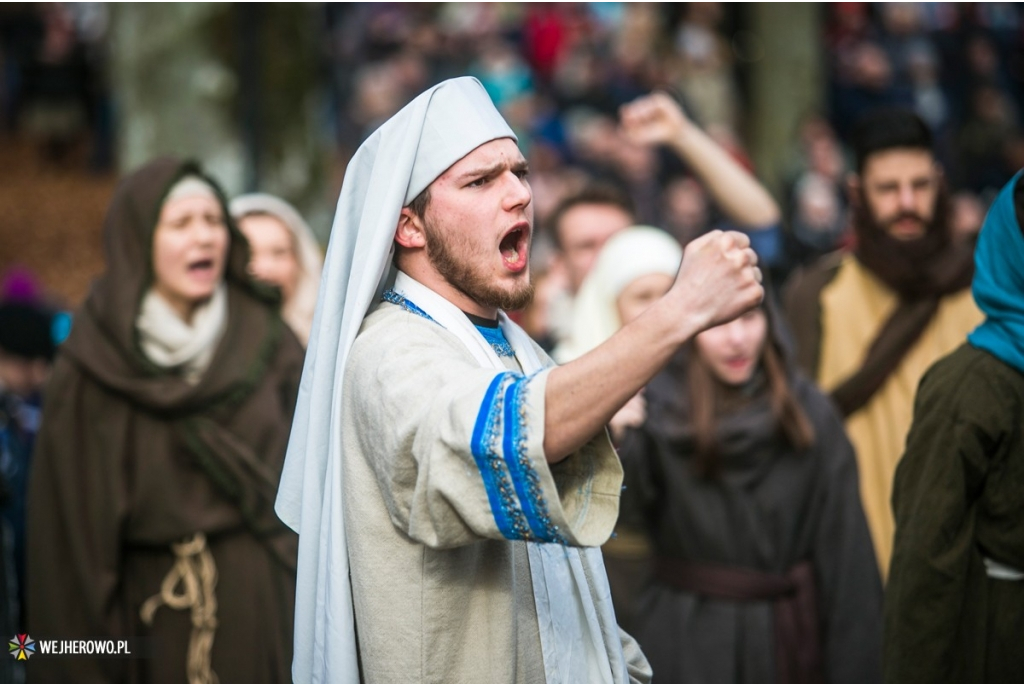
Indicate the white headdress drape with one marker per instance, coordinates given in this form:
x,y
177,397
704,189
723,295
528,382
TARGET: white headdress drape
x,y
628,255
398,161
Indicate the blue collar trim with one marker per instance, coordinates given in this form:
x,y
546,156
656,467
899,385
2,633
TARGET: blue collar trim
x,y
496,338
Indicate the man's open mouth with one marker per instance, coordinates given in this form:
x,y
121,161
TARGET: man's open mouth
x,y
514,247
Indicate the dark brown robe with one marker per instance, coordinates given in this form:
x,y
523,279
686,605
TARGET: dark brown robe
x,y
131,459
735,553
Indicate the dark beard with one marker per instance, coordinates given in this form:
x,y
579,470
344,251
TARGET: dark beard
x,y
921,267
461,277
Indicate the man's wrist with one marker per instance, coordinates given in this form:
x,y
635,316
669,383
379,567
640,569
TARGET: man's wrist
x,y
677,319
682,142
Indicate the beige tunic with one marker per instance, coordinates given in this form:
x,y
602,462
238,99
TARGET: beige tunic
x,y
440,594
854,306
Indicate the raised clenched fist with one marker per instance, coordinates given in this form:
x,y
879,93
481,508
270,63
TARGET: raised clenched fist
x,y
654,119
719,278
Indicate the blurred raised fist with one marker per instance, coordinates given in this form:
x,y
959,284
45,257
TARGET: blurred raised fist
x,y
654,119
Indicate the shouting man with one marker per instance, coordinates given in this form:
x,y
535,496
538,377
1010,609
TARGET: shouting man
x,y
450,485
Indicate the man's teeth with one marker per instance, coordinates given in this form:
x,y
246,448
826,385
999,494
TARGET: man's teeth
x,y
511,255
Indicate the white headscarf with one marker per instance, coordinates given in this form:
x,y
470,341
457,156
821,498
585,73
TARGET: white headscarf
x,y
191,186
397,162
628,255
298,310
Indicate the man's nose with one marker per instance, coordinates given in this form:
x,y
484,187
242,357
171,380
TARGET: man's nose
x,y
906,196
519,193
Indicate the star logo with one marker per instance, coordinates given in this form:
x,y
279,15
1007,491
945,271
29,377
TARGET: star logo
x,y
22,647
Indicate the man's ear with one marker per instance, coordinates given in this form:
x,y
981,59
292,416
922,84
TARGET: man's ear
x,y
410,232
853,189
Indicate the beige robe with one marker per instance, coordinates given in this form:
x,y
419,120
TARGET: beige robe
x,y
440,594
854,306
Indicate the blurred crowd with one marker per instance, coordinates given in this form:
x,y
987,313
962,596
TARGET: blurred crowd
x,y
560,72
54,80
622,181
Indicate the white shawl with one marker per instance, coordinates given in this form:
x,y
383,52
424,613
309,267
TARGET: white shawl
x,y
397,161
169,342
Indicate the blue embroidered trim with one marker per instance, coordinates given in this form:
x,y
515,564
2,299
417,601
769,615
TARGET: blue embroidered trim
x,y
482,433
485,446
498,341
520,466
408,305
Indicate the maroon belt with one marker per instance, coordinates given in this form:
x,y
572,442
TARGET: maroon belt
x,y
793,596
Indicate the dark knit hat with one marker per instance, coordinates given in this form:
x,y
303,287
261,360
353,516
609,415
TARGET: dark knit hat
x,y
26,330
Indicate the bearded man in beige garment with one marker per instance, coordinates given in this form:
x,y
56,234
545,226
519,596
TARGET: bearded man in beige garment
x,y
870,322
450,484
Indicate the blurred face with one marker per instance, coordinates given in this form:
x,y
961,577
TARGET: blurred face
x,y
478,227
583,231
21,376
190,246
900,187
640,294
272,252
732,351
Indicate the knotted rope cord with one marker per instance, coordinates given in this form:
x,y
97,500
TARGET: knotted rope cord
x,y
196,575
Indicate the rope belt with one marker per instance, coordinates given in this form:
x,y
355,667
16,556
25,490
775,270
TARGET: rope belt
x,y
189,585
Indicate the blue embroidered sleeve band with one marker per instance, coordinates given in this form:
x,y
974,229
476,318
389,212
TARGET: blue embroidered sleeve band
x,y
500,449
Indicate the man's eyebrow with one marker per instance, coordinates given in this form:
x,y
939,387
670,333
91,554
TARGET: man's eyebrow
x,y
481,171
491,169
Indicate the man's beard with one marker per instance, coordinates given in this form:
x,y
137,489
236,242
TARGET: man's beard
x,y
935,262
459,273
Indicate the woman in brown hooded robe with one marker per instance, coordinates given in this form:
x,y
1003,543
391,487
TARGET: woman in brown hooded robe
x,y
746,483
156,466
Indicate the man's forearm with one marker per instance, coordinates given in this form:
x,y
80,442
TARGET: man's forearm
x,y
583,395
739,195
717,281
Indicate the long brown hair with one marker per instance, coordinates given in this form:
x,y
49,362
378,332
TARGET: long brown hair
x,y
709,399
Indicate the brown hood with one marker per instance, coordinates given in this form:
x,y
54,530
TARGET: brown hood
x,y
103,340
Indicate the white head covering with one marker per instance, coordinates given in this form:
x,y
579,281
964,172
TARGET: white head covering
x,y
298,310
397,162
190,186
628,255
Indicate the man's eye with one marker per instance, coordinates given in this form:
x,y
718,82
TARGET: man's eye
x,y
477,183
523,174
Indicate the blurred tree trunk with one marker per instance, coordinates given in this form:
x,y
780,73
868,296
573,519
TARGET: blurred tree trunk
x,y
236,86
786,83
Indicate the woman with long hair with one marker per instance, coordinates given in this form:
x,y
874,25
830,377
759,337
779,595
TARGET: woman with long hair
x,y
746,485
156,466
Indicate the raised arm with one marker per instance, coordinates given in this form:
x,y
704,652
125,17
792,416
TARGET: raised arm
x,y
717,281
657,119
